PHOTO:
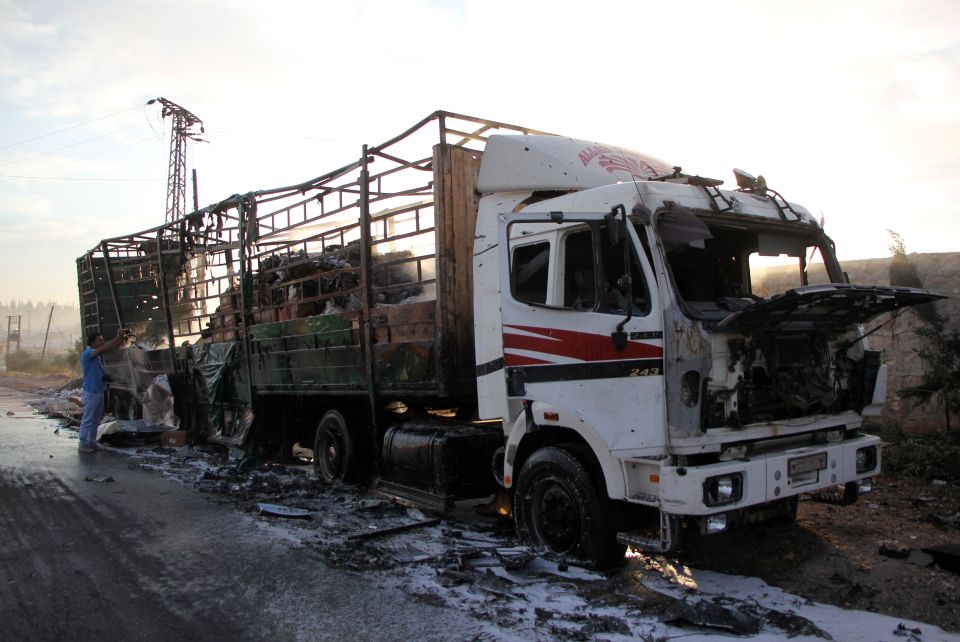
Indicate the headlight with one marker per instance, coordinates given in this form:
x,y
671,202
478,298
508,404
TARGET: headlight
x,y
866,459
723,489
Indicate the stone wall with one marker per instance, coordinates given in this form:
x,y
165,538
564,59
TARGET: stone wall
x,y
897,339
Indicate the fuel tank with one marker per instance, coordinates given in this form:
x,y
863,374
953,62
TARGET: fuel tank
x,y
436,462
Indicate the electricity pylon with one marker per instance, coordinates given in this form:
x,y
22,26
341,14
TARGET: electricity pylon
x,y
184,123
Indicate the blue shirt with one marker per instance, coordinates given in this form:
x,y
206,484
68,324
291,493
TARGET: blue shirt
x,y
92,371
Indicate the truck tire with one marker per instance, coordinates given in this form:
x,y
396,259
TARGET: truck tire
x,y
134,409
557,509
334,449
124,406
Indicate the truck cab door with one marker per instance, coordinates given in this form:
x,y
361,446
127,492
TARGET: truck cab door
x,y
564,294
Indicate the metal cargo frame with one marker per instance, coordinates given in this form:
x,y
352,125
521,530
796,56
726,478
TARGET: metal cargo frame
x,y
357,282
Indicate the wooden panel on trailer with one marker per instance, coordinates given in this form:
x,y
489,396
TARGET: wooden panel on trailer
x,y
456,201
405,322
410,365
309,369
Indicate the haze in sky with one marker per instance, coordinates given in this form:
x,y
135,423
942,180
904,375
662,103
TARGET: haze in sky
x,y
851,108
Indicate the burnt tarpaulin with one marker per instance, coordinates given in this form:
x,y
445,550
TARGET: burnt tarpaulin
x,y
212,364
158,403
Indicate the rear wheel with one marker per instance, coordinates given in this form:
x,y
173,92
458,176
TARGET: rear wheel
x,y
124,406
334,449
557,508
134,411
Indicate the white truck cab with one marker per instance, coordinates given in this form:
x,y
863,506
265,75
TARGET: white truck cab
x,y
662,351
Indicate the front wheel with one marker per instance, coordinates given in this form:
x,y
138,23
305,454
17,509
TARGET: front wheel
x,y
334,449
557,508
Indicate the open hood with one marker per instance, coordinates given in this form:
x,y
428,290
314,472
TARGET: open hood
x,y
832,307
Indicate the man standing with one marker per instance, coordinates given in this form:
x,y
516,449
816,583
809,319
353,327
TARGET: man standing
x,y
94,385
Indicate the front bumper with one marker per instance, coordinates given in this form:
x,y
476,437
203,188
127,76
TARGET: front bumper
x,y
767,477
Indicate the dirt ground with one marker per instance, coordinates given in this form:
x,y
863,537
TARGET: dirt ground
x,y
28,382
832,554
867,556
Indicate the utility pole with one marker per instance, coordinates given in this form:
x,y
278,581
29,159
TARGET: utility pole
x,y
47,335
183,129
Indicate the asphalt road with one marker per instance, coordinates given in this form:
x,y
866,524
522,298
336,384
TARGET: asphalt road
x,y
145,558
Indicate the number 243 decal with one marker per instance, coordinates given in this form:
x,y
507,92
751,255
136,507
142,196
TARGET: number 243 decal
x,y
644,372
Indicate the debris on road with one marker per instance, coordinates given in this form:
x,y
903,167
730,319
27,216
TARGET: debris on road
x,y
64,405
911,633
99,479
473,563
128,432
279,510
946,556
951,519
515,557
713,616
895,552
392,530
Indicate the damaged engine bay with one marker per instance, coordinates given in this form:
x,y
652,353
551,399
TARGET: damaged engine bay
x,y
782,323
784,376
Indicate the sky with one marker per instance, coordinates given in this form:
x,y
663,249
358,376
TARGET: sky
x,y
849,107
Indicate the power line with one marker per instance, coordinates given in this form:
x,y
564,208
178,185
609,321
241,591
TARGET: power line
x,y
59,149
34,174
30,140
65,178
221,132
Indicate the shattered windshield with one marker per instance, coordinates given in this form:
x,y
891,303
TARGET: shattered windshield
x,y
719,266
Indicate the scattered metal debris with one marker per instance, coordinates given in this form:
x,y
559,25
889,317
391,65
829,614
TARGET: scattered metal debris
x,y
279,510
99,479
714,616
949,519
472,561
515,557
390,530
794,625
490,582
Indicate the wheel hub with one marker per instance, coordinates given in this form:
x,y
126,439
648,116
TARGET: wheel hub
x,y
557,518
330,453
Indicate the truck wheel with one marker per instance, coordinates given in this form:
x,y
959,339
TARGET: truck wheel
x,y
558,509
124,406
134,411
334,452
115,405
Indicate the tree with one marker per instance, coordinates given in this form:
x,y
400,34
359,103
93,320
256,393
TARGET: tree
x,y
940,348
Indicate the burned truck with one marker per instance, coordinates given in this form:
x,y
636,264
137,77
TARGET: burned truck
x,y
622,349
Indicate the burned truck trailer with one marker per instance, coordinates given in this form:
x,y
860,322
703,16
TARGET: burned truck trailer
x,y
318,313
625,349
